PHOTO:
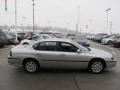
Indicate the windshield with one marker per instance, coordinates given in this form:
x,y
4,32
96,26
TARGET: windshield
x,y
36,37
115,37
81,47
111,37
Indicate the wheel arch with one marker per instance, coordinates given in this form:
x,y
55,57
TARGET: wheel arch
x,y
109,41
27,59
94,59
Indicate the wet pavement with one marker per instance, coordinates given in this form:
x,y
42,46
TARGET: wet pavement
x,y
15,78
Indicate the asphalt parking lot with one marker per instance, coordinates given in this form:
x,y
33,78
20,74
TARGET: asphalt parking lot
x,y
15,78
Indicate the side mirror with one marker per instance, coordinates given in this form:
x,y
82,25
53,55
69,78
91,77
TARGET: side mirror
x,y
79,51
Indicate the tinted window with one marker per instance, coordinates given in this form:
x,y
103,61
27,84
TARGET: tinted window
x,y
45,46
66,47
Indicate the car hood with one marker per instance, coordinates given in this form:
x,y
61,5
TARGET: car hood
x,y
100,53
81,41
107,39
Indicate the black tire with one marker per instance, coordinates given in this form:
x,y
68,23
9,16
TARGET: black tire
x,y
1,45
31,65
109,42
96,66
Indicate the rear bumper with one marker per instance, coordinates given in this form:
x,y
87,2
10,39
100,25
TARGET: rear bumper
x,y
14,61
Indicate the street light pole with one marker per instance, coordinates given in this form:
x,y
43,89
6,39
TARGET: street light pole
x,y
16,20
23,25
6,5
77,25
107,11
33,15
111,27
16,15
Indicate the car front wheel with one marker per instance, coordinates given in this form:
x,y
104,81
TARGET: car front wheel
x,y
31,66
97,66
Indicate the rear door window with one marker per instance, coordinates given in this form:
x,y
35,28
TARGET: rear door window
x,y
46,46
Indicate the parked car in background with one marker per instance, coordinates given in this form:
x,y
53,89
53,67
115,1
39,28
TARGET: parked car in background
x,y
90,36
80,39
116,43
109,40
35,38
28,34
11,39
70,36
57,35
99,37
60,53
20,36
3,39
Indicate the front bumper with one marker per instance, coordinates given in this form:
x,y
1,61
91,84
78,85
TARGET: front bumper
x,y
103,42
111,64
14,61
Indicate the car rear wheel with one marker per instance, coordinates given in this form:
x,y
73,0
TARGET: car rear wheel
x,y
109,42
1,45
31,66
97,66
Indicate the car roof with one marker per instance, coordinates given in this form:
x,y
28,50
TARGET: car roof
x,y
57,39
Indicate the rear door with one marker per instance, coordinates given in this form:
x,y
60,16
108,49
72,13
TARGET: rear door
x,y
47,53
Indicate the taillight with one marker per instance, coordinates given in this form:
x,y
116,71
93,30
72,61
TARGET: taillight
x,y
10,53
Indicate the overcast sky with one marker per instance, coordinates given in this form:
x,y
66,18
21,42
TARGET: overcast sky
x,y
63,13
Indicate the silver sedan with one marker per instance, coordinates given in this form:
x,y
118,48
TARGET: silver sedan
x,y
60,53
